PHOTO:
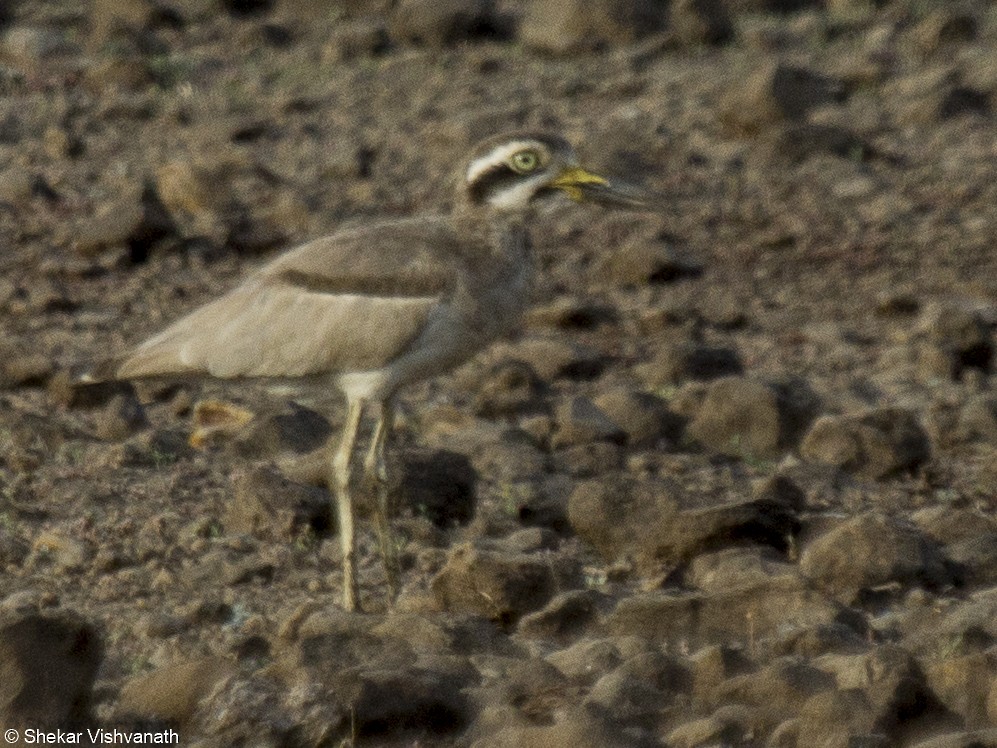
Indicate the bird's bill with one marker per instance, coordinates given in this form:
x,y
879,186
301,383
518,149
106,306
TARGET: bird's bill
x,y
581,185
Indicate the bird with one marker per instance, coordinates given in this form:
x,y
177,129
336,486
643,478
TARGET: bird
x,y
378,306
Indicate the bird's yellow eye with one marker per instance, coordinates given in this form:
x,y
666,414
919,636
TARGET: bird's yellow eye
x,y
525,161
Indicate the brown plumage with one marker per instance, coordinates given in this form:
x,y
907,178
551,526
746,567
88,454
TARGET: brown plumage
x,y
383,305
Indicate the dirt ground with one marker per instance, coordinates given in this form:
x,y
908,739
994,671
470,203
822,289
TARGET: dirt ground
x,y
733,484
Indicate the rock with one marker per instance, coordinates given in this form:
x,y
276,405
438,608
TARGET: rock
x,y
894,687
580,421
643,519
564,617
365,37
441,23
748,418
728,725
575,728
976,739
746,614
75,393
555,358
876,445
499,586
963,684
798,141
586,661
836,719
174,693
137,221
28,47
959,101
978,420
121,418
567,26
49,664
643,417
782,686
112,17
293,428
508,388
952,337
634,692
64,552
24,369
710,667
679,361
778,92
572,313
390,702
872,550
439,485
731,568
589,459
701,22
975,560
267,505
647,261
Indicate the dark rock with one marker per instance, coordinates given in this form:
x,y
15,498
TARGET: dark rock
x,y
172,694
556,358
644,520
975,739
964,100
572,313
952,337
437,23
635,691
49,663
267,505
439,485
575,728
120,418
589,460
23,369
137,221
500,586
872,550
643,416
680,361
797,142
975,560
74,393
779,689
294,428
566,26
587,660
565,617
747,418
366,37
877,444
701,22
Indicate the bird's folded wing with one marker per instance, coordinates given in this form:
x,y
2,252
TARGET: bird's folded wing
x,y
351,302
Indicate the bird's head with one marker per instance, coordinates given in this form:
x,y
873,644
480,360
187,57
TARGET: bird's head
x,y
518,172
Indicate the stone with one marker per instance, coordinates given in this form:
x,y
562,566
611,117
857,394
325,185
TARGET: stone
x,y
871,550
575,728
728,725
643,520
745,614
75,393
587,660
951,337
570,26
835,718
751,419
555,358
440,485
292,428
173,694
977,420
441,23
508,388
643,417
783,686
780,92
580,421
120,418
137,221
798,141
963,684
498,586
975,739
877,444
267,505
680,361
696,22
49,664
23,369
564,617
647,261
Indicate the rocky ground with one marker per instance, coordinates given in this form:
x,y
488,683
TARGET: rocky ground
x,y
733,485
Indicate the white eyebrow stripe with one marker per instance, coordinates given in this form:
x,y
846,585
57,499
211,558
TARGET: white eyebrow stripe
x,y
497,155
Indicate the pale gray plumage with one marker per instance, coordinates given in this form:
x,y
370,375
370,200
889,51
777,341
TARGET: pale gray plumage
x,y
383,305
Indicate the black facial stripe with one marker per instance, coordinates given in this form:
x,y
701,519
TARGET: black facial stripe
x,y
491,181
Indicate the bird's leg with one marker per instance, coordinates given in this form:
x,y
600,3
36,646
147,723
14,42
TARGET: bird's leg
x,y
341,469
376,470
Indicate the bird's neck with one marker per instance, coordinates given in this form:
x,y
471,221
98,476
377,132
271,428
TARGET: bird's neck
x,y
500,232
